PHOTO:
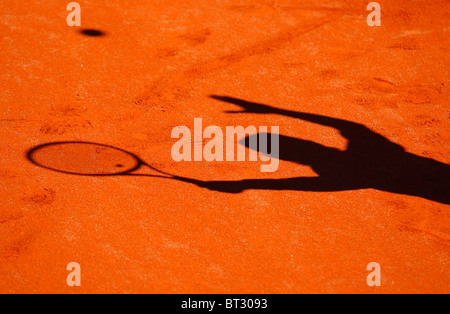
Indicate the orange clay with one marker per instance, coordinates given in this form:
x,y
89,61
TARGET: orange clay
x,y
137,69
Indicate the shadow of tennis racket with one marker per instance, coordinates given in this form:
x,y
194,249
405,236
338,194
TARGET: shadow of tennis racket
x,y
99,160
93,159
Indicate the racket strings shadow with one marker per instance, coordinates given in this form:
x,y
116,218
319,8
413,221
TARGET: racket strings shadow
x,y
90,159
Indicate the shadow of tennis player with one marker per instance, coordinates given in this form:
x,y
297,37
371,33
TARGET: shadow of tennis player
x,y
370,162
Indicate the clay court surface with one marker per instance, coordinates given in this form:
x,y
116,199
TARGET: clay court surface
x,y
155,67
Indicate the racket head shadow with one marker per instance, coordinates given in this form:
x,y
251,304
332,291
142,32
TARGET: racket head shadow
x,y
84,159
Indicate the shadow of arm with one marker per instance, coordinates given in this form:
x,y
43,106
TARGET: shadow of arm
x,y
315,184
358,134
251,107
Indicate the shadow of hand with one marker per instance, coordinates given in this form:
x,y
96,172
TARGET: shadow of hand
x,y
248,107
